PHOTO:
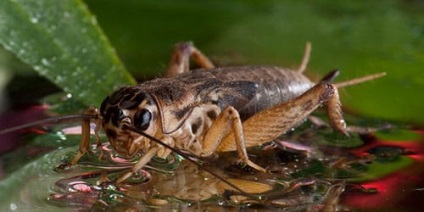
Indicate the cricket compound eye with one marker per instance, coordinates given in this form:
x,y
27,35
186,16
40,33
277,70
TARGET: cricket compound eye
x,y
142,119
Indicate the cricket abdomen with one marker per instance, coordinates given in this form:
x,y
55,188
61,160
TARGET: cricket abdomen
x,y
275,85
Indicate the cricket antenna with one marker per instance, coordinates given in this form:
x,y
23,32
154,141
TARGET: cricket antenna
x,y
359,80
185,156
49,120
305,59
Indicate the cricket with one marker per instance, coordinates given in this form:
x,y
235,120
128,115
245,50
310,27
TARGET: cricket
x,y
209,110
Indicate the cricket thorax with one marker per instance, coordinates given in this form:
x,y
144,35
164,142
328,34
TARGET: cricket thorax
x,y
133,107
190,135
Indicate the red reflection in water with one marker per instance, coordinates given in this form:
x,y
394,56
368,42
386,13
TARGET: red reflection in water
x,y
25,115
397,190
81,186
386,193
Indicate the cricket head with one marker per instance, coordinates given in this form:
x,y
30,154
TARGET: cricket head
x,y
131,107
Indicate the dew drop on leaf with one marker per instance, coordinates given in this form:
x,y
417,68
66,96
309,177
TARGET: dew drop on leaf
x,y
34,20
45,62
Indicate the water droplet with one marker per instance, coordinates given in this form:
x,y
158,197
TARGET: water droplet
x,y
61,136
13,206
114,196
34,20
45,62
93,20
7,47
37,68
12,32
111,187
59,79
53,27
82,94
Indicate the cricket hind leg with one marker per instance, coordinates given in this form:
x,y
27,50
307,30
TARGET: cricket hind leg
x,y
333,105
180,59
334,110
269,124
335,114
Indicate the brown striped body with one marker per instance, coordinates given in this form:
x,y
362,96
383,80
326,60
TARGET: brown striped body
x,y
183,108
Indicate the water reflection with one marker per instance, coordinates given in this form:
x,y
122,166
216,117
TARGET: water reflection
x,y
309,169
188,186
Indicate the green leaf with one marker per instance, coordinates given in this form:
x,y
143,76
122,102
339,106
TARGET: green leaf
x,y
62,41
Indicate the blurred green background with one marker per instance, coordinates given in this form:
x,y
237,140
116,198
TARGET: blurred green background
x,y
358,37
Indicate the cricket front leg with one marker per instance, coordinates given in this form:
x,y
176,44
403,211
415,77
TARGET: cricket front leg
x,y
180,59
84,146
84,143
269,124
227,122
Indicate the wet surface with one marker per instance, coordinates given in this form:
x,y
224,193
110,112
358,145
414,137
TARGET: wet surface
x,y
308,169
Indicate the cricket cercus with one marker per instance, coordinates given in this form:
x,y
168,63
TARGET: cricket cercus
x,y
211,110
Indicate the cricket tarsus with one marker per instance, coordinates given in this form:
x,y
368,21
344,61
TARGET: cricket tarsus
x,y
49,120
